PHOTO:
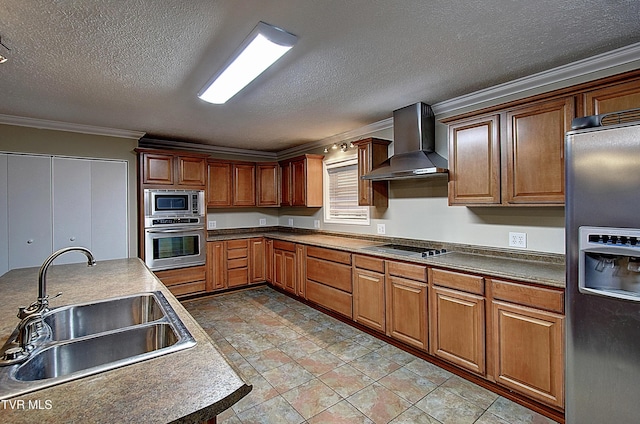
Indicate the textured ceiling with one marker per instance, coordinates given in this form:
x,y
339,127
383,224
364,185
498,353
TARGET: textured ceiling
x,y
138,64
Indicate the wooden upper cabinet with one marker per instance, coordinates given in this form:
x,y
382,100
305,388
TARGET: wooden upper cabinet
x,y
191,171
157,168
244,184
474,161
371,153
535,152
231,183
163,168
301,181
268,184
219,188
612,98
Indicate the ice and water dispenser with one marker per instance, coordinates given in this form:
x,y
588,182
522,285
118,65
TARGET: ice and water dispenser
x,y
610,262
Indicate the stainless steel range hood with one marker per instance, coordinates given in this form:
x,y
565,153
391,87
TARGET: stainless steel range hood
x,y
413,145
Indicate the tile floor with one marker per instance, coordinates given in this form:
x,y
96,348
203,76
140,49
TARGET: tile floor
x,y
307,367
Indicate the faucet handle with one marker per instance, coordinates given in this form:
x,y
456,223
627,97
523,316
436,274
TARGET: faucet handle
x,y
24,312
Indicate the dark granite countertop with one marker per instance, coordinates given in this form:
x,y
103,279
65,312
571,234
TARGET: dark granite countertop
x,y
188,386
530,267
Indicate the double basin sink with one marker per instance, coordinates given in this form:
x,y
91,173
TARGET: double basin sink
x,y
90,338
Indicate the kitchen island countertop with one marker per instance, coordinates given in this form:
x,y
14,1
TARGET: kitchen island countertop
x,y
188,386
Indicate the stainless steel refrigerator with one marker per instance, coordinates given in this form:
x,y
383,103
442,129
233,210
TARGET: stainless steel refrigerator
x,y
603,274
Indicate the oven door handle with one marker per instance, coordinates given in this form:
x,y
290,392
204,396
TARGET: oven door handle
x,y
175,230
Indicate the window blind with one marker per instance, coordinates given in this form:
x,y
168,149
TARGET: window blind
x,y
343,194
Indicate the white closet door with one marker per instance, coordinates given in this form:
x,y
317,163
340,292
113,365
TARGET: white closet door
x,y
71,207
109,210
4,218
29,210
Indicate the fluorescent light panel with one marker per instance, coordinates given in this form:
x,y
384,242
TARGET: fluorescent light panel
x,y
263,47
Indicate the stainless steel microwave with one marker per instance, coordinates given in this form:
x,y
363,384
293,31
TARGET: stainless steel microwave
x,y
173,203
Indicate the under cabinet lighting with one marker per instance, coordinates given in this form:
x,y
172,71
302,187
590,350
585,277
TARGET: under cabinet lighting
x,y
263,47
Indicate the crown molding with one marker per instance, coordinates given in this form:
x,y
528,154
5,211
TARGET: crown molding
x,y
598,63
44,124
205,148
351,135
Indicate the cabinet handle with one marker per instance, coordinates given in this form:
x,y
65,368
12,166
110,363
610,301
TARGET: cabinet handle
x,y
72,239
30,241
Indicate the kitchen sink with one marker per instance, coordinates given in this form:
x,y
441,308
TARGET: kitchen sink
x,y
112,349
94,337
70,322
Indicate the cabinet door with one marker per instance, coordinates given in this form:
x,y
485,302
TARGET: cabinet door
x,y
371,153
72,193
109,220
268,185
268,260
157,169
298,183
528,346
300,270
407,311
215,266
613,98
368,299
192,171
278,268
219,182
244,185
4,217
474,162
289,274
257,260
457,328
535,152
285,184
29,210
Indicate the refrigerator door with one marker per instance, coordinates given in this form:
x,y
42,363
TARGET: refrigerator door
x,y
603,332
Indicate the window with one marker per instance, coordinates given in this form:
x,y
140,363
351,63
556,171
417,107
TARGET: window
x,y
341,193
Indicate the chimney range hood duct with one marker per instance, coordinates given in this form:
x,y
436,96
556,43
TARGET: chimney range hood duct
x,y
413,145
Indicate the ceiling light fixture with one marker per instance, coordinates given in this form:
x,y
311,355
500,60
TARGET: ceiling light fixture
x,y
263,47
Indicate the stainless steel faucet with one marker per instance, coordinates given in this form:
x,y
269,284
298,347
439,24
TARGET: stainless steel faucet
x,y
31,326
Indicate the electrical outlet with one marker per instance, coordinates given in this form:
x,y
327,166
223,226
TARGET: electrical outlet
x,y
263,221
518,240
290,222
316,223
381,229
211,225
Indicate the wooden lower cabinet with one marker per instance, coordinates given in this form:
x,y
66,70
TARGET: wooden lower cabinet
x,y
407,311
369,299
257,263
301,270
268,260
457,328
284,266
237,262
216,265
184,281
528,346
457,319
328,279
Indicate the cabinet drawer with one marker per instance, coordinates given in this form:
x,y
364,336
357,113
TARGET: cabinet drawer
x,y
329,273
284,245
188,288
410,271
237,263
330,298
238,277
536,297
172,277
456,280
238,244
329,255
367,262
